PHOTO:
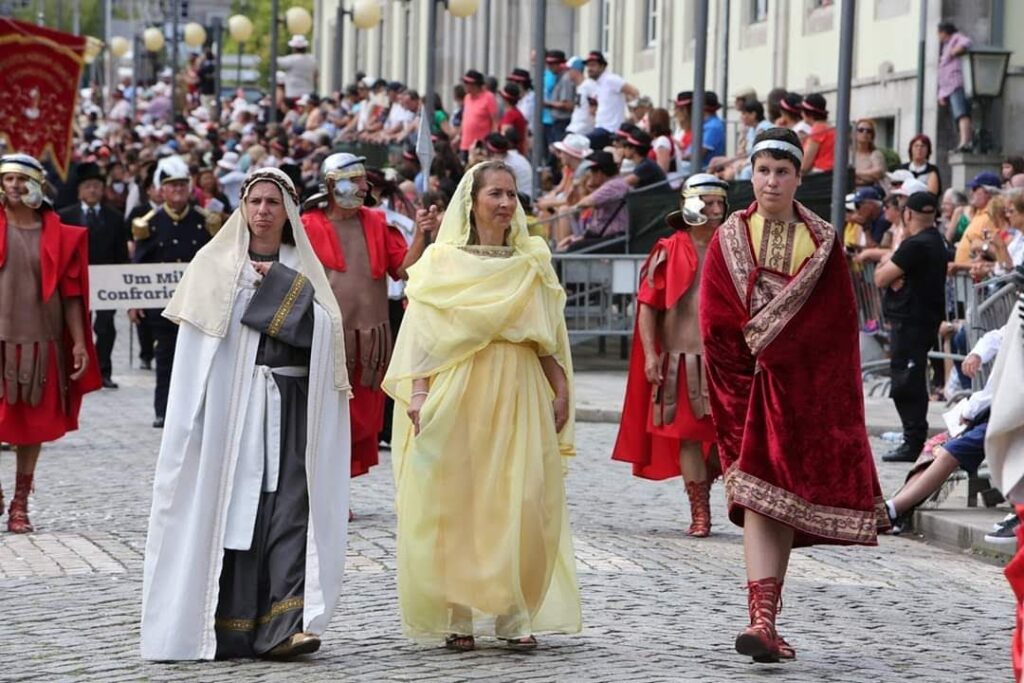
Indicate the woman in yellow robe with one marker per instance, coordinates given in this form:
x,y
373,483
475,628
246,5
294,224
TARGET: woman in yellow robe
x,y
482,375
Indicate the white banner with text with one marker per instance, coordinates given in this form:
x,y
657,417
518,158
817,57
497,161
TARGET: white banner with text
x,y
133,285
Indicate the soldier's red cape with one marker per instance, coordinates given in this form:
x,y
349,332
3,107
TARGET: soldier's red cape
x,y
64,268
669,271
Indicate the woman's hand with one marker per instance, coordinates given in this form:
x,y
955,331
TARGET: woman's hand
x,y
415,406
971,365
80,361
561,408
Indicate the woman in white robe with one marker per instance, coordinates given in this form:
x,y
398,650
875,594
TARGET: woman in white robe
x,y
246,545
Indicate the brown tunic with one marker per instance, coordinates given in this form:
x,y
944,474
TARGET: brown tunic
x,y
681,343
27,324
364,306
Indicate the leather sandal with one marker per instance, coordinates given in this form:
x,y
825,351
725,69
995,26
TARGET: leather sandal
x,y
459,643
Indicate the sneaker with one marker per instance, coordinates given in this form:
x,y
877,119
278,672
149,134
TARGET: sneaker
x,y
1006,533
999,525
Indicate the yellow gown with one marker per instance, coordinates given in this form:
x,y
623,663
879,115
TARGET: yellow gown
x,y
484,545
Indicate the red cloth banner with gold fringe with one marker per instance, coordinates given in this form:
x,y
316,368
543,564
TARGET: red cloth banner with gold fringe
x,y
40,70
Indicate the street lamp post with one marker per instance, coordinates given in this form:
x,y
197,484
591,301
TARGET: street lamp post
x,y
540,20
218,37
298,21
365,14
272,114
240,28
984,70
457,8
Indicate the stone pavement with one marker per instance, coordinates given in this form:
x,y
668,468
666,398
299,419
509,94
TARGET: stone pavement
x,y
658,606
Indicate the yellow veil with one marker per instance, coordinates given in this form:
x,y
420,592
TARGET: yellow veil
x,y
459,302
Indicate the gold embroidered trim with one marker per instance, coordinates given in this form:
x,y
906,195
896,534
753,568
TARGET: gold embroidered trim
x,y
277,322
777,241
839,524
494,252
276,610
768,321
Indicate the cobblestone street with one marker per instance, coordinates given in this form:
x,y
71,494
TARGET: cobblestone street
x,y
657,604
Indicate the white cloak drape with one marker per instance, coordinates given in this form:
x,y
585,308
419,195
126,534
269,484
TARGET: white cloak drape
x,y
1004,438
196,476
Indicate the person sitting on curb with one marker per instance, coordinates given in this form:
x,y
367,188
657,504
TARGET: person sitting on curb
x,y
965,451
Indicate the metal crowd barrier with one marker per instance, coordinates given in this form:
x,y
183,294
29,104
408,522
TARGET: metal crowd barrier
x,y
975,307
600,294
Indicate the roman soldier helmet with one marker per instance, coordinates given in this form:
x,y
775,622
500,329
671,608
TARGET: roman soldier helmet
x,y
691,211
338,170
28,166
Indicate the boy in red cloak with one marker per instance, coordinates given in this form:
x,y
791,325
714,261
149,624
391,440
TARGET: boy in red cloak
x,y
666,428
779,324
47,359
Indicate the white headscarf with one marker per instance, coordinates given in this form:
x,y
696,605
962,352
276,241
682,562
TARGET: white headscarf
x,y
206,294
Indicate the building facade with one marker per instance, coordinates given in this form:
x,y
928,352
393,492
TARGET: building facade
x,y
761,44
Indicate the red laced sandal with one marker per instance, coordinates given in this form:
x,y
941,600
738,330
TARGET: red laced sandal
x,y
760,640
699,493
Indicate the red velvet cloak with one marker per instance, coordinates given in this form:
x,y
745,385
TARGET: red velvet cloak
x,y
64,268
669,271
783,363
386,248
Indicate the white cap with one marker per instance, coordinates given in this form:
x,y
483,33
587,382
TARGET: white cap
x,y
909,187
298,42
900,175
229,162
575,145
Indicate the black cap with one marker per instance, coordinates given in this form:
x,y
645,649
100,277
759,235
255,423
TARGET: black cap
x,y
88,171
684,98
626,129
596,56
791,102
473,77
923,202
496,142
815,103
555,57
395,86
711,102
639,138
511,92
520,76
602,161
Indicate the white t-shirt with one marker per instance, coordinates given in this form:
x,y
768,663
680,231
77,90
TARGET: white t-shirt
x,y
299,70
582,121
611,102
666,142
524,172
398,116
525,107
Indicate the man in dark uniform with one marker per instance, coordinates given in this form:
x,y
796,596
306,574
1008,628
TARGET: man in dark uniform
x,y
108,244
914,303
171,234
152,200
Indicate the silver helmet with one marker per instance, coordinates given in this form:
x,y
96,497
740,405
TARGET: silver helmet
x,y
35,175
691,211
336,175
